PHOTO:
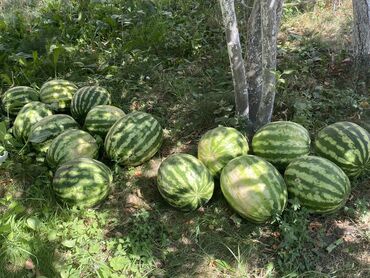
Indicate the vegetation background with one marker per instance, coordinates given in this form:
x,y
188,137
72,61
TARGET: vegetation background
x,y
169,58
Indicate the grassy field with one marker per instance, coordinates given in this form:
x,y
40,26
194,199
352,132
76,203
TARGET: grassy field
x,y
169,58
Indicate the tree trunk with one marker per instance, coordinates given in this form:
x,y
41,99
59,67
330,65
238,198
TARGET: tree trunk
x,y
361,38
264,25
235,57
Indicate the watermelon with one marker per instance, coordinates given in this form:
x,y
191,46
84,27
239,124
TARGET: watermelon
x,y
317,183
83,182
29,115
254,188
48,128
219,145
184,182
69,145
347,145
15,98
281,142
58,93
101,118
86,98
134,139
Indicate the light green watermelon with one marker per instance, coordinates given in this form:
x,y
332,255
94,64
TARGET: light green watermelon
x,y
347,145
101,118
317,183
133,139
44,131
29,115
254,188
184,182
281,142
69,145
86,98
219,145
83,182
58,93
15,98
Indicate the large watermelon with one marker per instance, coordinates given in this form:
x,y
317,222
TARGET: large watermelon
x,y
44,131
134,139
219,145
347,145
318,184
86,98
184,182
83,182
15,98
101,118
254,188
69,145
29,115
58,93
281,142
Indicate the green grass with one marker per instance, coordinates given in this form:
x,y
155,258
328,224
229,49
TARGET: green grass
x,y
170,59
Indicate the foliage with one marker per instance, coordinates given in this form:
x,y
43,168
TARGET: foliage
x,y
168,58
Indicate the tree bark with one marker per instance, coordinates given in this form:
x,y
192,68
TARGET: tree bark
x,y
263,29
361,38
235,57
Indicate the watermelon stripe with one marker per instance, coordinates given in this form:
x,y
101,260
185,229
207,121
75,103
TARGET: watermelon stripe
x,y
317,183
69,145
84,182
15,98
254,188
281,142
346,144
219,145
134,139
184,182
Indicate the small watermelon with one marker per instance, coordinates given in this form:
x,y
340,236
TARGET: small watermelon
x,y
281,142
254,188
219,145
29,115
83,182
347,145
134,139
317,183
58,93
101,118
86,98
48,128
69,145
184,182
15,98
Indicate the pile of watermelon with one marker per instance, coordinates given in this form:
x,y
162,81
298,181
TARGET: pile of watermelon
x,y
73,128
68,127
258,180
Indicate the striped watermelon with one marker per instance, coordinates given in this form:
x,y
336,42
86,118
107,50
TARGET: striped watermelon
x,y
219,145
254,188
281,142
101,118
134,139
29,115
86,98
48,128
15,98
58,93
347,145
83,182
69,145
184,182
317,183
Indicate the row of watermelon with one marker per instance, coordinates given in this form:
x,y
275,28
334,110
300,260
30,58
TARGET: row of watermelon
x,y
80,179
252,184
